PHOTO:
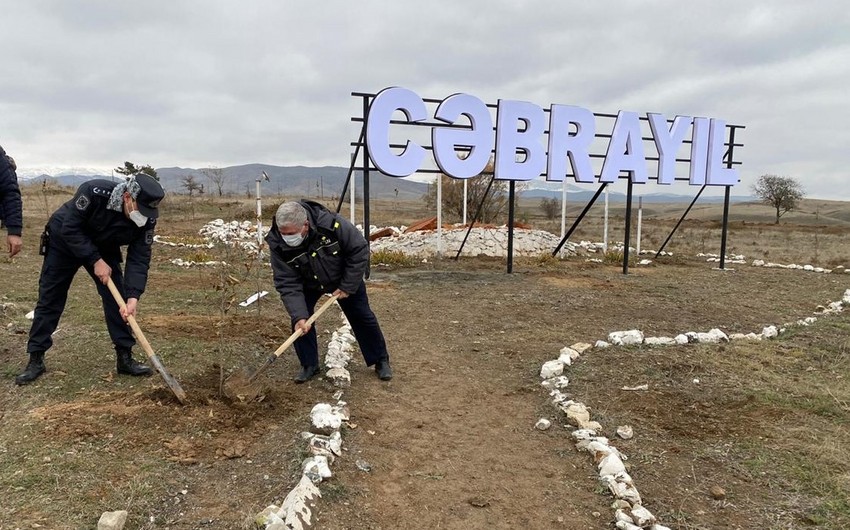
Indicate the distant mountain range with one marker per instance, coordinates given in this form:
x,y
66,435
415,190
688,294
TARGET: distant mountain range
x,y
328,181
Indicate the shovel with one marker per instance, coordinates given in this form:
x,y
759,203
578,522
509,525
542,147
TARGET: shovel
x,y
152,357
239,384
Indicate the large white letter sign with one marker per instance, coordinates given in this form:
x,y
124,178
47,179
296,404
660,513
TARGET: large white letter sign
x,y
479,138
718,175
667,142
509,139
625,151
576,146
699,151
381,111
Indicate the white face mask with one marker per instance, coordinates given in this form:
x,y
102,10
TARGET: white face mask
x,y
137,217
293,240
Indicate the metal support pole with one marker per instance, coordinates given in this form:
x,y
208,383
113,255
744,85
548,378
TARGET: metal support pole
x,y
725,229
511,212
627,237
439,216
578,219
680,221
640,220
465,185
366,188
605,225
726,202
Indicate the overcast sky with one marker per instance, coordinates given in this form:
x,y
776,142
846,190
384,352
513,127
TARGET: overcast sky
x,y
214,82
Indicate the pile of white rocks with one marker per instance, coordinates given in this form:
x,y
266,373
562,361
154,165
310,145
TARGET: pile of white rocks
x,y
191,263
241,235
491,242
629,512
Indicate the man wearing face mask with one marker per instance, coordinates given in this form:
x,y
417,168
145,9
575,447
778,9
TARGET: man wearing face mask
x,y
315,251
88,231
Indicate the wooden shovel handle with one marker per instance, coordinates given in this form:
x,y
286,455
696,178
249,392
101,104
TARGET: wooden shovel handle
x,y
137,331
292,338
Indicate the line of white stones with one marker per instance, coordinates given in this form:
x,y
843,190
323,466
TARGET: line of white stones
x,y
629,512
324,443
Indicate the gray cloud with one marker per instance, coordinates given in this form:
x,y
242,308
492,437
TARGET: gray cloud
x,y
221,82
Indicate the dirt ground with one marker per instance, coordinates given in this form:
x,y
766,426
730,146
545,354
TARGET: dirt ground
x,y
450,440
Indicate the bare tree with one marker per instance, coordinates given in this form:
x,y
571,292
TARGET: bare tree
x,y
783,193
495,201
550,207
192,185
217,177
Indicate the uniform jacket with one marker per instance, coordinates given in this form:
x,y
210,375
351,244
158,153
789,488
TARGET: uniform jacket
x,y
88,230
10,197
334,255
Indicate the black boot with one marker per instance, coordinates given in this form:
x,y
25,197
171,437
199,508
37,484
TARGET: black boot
x,y
35,367
306,373
382,368
127,365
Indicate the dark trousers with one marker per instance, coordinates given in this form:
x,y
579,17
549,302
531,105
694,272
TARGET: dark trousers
x,y
363,322
58,270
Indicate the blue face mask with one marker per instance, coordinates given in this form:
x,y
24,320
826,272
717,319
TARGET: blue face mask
x,y
293,240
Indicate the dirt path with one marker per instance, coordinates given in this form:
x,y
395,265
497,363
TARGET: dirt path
x,y
451,438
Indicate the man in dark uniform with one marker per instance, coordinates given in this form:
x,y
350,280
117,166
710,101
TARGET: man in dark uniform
x,y
88,231
11,207
315,251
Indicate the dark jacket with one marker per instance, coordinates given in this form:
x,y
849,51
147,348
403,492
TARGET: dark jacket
x,y
10,197
334,255
87,229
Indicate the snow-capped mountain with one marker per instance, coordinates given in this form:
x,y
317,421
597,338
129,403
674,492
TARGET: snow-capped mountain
x,y
26,173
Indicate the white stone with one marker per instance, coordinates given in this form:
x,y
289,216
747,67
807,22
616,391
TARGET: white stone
x,y
316,468
601,344
642,516
712,337
582,347
769,332
620,515
611,465
327,417
657,526
295,510
737,336
551,369
758,263
625,432
556,382
659,341
568,355
542,424
645,262
112,520
846,298
30,315
340,377
625,338
583,434
808,268
681,339
624,525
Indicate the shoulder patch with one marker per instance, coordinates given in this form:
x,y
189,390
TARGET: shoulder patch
x,y
82,202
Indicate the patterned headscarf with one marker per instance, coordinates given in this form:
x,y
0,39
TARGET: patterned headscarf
x,y
116,200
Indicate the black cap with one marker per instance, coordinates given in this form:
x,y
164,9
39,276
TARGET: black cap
x,y
150,193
